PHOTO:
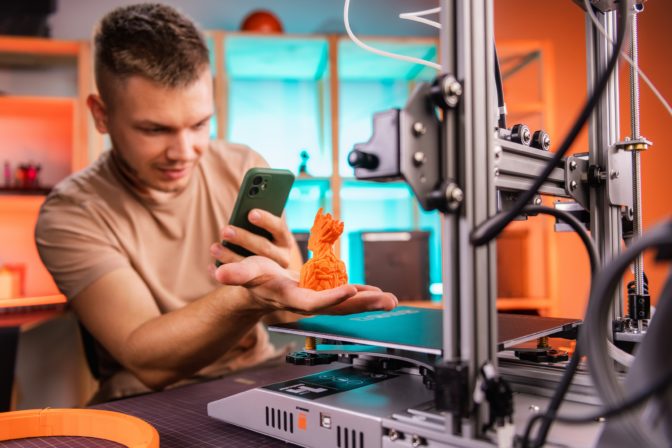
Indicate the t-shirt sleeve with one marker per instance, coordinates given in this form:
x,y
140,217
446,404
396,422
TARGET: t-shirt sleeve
x,y
74,245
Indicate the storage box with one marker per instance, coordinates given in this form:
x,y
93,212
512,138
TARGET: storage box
x,y
396,262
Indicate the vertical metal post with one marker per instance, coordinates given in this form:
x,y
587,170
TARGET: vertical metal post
x,y
636,160
605,219
469,318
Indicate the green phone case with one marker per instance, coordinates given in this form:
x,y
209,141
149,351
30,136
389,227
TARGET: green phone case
x,y
263,188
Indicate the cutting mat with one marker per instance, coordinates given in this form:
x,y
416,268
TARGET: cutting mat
x,y
180,414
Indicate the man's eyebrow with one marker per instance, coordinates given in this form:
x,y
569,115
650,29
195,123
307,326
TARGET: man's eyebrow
x,y
150,124
155,124
206,118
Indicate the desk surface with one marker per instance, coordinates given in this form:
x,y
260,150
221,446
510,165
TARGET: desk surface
x,y
180,414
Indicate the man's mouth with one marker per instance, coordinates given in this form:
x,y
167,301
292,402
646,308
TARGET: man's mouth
x,y
174,172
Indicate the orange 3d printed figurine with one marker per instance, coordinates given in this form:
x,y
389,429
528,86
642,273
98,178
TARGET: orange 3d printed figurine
x,y
324,270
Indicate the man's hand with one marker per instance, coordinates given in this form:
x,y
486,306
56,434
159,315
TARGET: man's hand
x,y
279,249
273,288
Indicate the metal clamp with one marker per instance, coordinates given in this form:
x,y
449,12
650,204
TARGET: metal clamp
x,y
635,144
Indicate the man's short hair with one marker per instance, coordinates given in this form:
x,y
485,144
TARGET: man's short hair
x,y
149,40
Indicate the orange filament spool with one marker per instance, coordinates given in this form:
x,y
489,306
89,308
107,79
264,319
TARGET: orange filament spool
x,y
108,425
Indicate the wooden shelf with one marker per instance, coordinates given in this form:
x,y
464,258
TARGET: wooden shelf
x,y
26,302
357,64
37,191
264,57
34,51
20,203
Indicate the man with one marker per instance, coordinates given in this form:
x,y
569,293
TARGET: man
x,y
127,239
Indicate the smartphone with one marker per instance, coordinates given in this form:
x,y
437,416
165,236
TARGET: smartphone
x,y
262,188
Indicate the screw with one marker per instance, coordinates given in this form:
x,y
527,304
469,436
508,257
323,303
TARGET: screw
x,y
416,441
526,135
498,152
534,409
572,165
419,158
572,185
615,174
452,90
419,129
547,141
456,194
393,434
496,172
455,88
537,201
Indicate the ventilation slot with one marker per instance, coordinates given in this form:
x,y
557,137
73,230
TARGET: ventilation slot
x,y
279,419
349,438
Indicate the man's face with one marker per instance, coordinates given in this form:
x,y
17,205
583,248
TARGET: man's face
x,y
159,132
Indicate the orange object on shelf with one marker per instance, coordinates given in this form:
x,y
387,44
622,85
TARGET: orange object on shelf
x,y
324,270
262,21
108,425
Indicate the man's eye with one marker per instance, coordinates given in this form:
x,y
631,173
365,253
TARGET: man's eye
x,y
153,130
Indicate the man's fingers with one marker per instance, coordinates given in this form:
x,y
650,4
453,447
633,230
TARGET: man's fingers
x,y
224,255
274,224
366,287
309,301
256,244
249,270
364,301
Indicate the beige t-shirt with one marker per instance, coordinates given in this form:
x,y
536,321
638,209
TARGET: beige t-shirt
x,y
94,222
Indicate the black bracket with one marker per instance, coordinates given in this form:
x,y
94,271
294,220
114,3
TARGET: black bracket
x,y
406,144
310,359
451,388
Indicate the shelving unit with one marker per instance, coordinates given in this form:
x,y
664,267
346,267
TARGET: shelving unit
x,y
42,123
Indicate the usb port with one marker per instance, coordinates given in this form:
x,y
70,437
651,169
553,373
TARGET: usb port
x,y
325,421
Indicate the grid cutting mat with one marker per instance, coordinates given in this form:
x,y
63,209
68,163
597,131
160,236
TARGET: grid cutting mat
x,y
180,415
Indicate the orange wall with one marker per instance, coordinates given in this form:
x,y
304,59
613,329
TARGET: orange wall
x,y
562,24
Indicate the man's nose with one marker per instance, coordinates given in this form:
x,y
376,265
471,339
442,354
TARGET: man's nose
x,y
182,147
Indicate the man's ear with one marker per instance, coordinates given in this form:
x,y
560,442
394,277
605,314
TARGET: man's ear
x,y
98,112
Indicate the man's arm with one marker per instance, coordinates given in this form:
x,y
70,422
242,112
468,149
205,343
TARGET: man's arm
x,y
120,312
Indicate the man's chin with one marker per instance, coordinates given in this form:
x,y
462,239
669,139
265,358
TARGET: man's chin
x,y
168,187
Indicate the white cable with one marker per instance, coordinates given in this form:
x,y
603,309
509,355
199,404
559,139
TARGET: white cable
x,y
416,17
625,56
426,12
361,44
413,18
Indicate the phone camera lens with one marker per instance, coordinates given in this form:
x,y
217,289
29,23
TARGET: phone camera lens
x,y
257,180
254,191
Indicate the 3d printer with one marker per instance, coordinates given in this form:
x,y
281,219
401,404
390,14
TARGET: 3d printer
x,y
415,377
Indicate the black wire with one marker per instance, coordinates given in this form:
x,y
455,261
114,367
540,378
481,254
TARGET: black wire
x,y
500,93
576,225
628,404
570,369
599,304
492,227
601,290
